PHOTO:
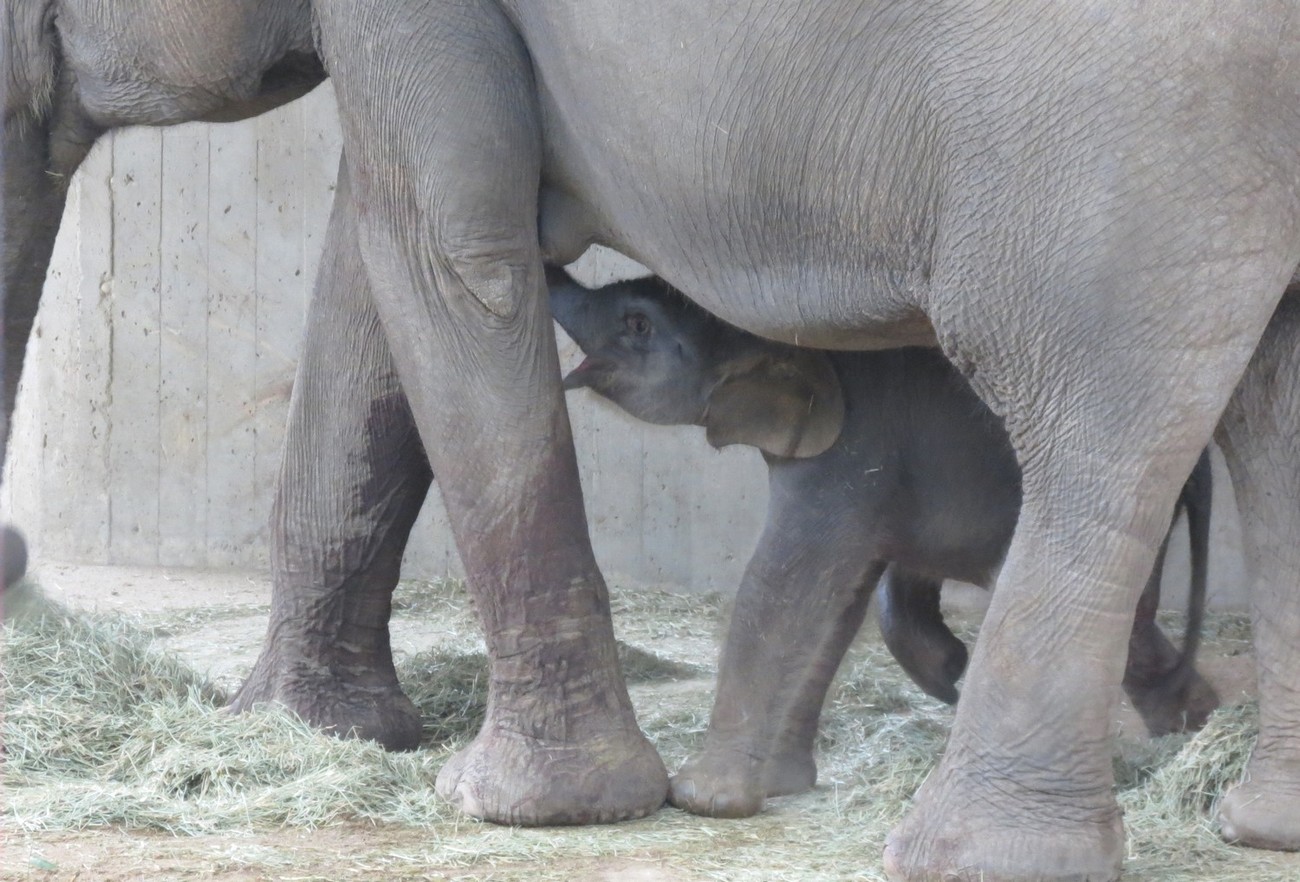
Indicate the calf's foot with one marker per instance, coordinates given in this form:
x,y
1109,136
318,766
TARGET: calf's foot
x,y
1168,693
789,772
720,783
351,700
1166,708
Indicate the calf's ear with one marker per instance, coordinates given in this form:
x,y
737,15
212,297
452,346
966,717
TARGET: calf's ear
x,y
786,403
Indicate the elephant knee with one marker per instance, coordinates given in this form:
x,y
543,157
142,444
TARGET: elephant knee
x,y
499,271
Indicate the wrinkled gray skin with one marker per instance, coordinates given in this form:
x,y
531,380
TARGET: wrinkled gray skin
x,y
1092,208
1162,683
920,484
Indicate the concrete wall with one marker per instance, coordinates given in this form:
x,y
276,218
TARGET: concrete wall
x,y
155,393
156,388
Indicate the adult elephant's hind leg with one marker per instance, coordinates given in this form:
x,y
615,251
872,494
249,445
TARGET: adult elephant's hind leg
x,y
442,136
1107,415
351,484
1260,435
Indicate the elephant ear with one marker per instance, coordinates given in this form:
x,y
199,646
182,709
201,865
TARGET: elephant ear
x,y
27,32
786,403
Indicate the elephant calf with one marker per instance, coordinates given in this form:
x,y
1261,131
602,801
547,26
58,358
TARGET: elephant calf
x,y
883,466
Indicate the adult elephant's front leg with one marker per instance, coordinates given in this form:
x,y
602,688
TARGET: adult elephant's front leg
x,y
351,484
442,138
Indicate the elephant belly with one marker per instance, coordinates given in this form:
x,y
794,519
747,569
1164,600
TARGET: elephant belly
x,y
962,564
765,219
212,60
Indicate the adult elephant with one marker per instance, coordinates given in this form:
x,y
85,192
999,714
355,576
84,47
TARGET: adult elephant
x,y
998,182
1091,208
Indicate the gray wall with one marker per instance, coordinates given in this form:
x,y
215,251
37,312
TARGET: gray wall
x,y
156,387
154,399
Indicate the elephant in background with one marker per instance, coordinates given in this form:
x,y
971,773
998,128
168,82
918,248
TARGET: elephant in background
x,y
884,468
75,70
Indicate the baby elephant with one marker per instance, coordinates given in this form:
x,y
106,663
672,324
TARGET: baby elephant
x,y
883,466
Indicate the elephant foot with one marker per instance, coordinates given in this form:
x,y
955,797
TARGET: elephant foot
x,y
509,778
1263,811
354,701
1171,707
13,555
720,784
790,772
997,832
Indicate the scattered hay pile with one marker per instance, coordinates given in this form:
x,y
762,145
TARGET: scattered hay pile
x,y
100,727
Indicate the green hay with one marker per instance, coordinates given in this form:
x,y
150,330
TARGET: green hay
x,y
440,599
1169,815
73,687
450,691
101,728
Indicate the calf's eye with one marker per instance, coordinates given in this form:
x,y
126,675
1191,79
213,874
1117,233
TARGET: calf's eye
x,y
638,324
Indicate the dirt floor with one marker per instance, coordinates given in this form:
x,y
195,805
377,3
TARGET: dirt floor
x,y
216,624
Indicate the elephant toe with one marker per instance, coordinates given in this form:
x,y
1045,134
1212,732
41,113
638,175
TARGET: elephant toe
x,y
1263,813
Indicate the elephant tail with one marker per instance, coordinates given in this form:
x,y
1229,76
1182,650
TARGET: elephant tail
x,y
1196,499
